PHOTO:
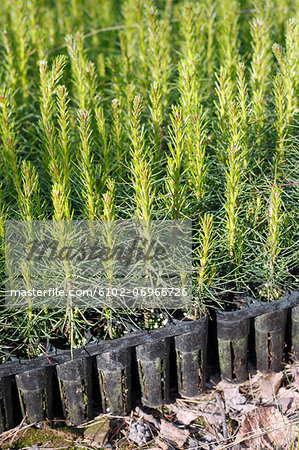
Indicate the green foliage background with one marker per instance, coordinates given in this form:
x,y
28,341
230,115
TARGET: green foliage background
x,y
150,110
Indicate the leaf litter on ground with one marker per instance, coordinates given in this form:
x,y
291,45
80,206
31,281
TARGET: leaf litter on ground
x,y
259,413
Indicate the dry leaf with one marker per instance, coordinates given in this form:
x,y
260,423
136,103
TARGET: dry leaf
x,y
268,428
288,400
162,444
233,398
173,434
147,417
210,412
295,376
184,415
270,385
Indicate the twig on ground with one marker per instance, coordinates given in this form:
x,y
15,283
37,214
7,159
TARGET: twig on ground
x,y
225,434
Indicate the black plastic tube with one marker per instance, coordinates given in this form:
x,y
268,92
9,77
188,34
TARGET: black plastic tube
x,y
6,403
152,351
75,383
153,368
269,339
232,337
295,331
36,393
114,369
191,358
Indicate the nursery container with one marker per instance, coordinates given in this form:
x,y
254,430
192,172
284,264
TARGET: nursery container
x,y
232,337
36,393
114,369
7,419
190,349
75,383
295,331
153,368
269,337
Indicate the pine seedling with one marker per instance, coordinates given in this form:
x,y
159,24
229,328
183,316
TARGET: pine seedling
x,y
34,30
224,99
78,61
142,181
61,214
204,252
126,61
156,120
129,95
11,73
210,15
117,133
140,170
103,10
232,191
64,138
90,190
189,89
132,21
174,171
48,86
273,241
243,111
27,284
27,192
280,122
29,202
32,10
91,80
233,174
188,30
117,82
104,145
83,73
141,31
3,216
188,84
9,141
21,44
60,203
30,209
189,67
233,140
108,216
224,94
232,157
3,248
260,75
281,10
227,35
47,30
288,64
196,137
158,49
